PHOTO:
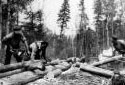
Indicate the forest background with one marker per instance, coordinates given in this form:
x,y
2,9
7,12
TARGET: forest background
x,y
109,20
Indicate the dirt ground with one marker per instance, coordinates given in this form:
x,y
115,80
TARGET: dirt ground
x,y
73,78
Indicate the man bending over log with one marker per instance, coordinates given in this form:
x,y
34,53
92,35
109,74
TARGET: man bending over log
x,y
12,41
119,45
38,50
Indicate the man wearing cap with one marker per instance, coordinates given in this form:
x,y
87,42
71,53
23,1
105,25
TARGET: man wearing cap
x,y
119,45
38,50
12,41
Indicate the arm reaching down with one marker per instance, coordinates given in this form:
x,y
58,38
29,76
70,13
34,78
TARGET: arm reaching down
x,y
33,52
25,42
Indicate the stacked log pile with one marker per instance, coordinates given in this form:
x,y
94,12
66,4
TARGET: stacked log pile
x,y
26,72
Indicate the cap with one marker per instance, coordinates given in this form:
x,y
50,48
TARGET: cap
x,y
114,37
17,28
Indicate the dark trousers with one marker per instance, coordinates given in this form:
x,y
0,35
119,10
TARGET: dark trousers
x,y
8,57
41,54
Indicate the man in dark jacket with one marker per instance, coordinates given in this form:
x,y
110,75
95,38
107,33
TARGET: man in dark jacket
x,y
38,50
119,45
12,41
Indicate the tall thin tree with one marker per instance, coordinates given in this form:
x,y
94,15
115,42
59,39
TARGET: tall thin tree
x,y
82,28
98,13
109,13
63,16
0,23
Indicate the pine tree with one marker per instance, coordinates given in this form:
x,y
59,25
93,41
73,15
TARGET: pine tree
x,y
63,16
14,7
0,24
109,13
81,40
98,12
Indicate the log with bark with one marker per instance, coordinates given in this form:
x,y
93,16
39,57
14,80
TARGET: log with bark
x,y
107,61
9,73
23,78
34,65
96,70
11,67
63,66
50,68
33,78
53,74
15,66
54,62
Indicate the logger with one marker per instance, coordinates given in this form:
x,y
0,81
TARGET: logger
x,y
119,45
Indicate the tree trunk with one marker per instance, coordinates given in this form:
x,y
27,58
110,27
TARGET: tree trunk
x,y
62,67
96,70
23,78
0,24
103,38
8,18
10,67
14,66
61,31
11,73
107,32
17,17
54,73
107,61
97,42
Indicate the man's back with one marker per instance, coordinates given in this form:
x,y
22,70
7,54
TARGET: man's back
x,y
119,45
38,50
35,45
12,40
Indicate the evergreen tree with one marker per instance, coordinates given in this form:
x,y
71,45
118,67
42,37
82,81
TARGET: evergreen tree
x,y
98,17
109,13
0,24
34,29
63,16
81,42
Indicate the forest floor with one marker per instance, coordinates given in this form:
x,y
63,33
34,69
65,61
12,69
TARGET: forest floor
x,y
74,77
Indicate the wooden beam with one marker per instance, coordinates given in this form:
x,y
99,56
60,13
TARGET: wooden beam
x,y
10,67
33,78
15,66
107,61
96,70
5,74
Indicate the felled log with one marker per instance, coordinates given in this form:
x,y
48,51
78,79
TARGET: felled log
x,y
23,78
49,68
71,70
10,67
54,62
15,66
9,73
96,70
57,72
33,78
71,59
63,66
34,65
54,73
107,61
